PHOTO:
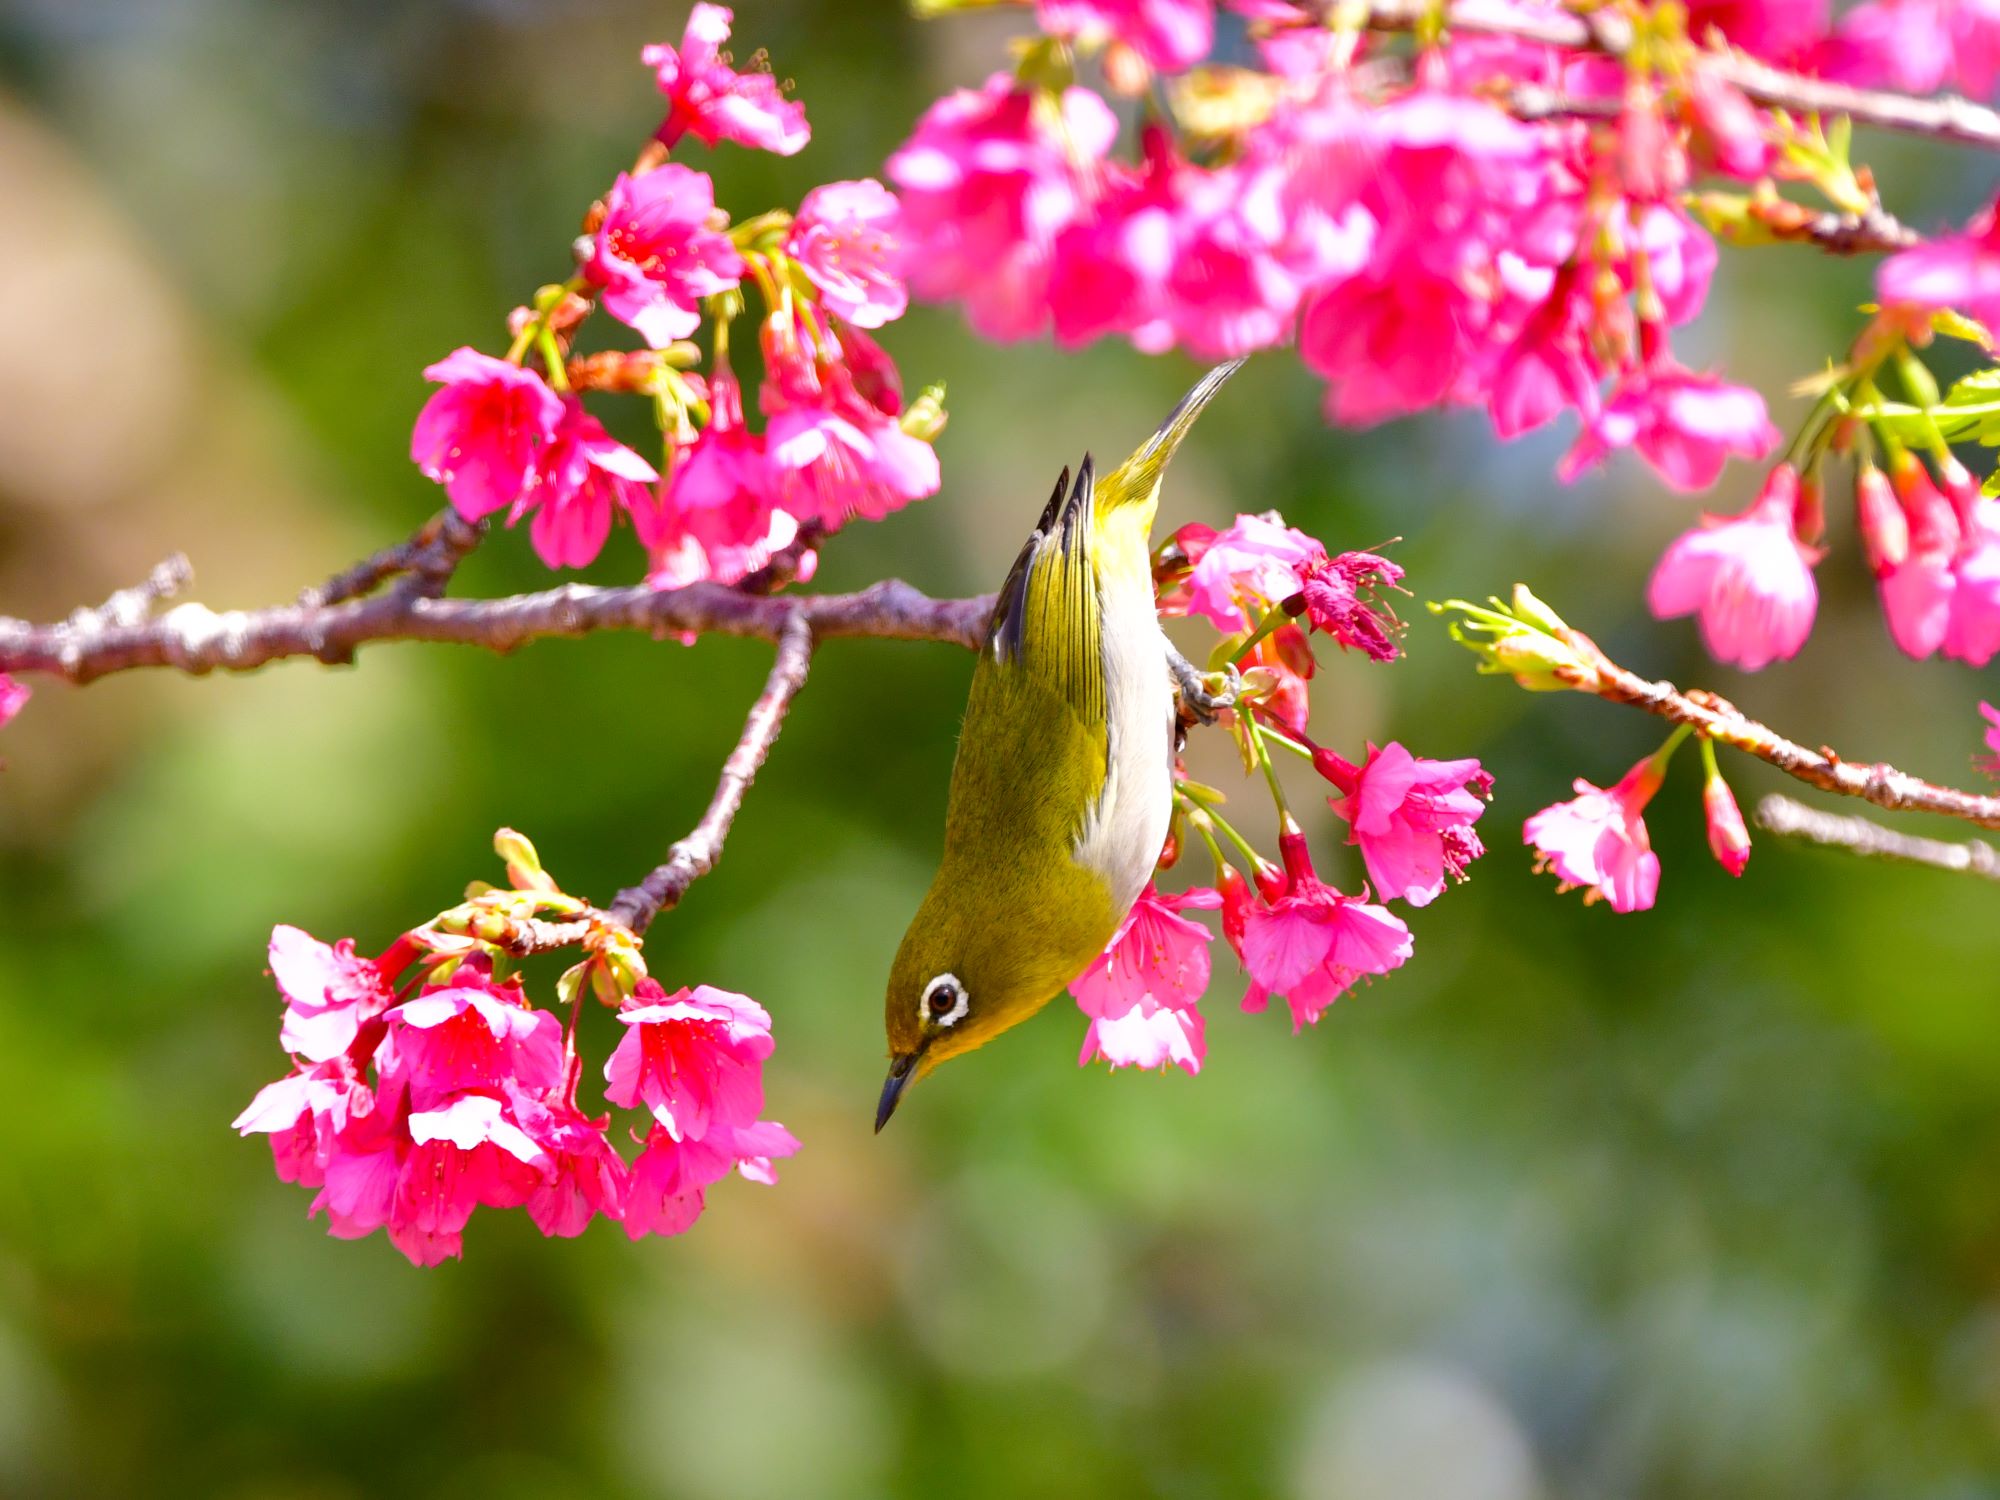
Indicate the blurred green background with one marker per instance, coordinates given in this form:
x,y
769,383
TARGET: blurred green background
x,y
1700,1202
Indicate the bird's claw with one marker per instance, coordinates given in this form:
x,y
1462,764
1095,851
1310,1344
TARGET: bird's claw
x,y
1203,694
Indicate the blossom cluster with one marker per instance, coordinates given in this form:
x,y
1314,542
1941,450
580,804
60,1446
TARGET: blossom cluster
x,y
1421,245
412,1102
1269,588
504,437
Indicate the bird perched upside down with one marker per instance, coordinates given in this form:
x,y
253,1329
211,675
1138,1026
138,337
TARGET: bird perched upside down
x,y
1062,791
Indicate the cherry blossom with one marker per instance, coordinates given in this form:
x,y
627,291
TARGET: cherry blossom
x,y
1684,424
670,1180
719,514
1141,992
1960,271
483,436
1312,944
1598,840
13,697
1748,577
847,238
1411,817
711,101
586,478
693,1058
1166,34
1728,838
655,256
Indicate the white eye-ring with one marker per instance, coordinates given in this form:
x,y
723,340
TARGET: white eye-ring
x,y
945,1001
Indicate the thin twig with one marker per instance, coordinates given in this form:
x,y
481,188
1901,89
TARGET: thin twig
x,y
195,639
1722,721
1790,819
694,856
1945,117
428,558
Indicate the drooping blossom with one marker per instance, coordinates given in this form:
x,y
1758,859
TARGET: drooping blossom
x,y
988,180
1958,271
1240,573
1879,518
1730,134
1141,991
1728,838
587,1177
1598,840
839,455
1776,30
330,992
694,1059
304,1114
1338,597
1973,632
587,476
1917,592
1312,944
670,1180
484,435
720,514
1917,45
1686,425
1411,817
13,697
710,100
655,256
1748,577
848,239
1167,34
467,1152
471,1033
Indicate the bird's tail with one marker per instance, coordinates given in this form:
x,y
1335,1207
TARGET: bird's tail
x,y
1137,480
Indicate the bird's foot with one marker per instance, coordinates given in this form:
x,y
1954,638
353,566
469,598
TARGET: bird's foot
x,y
1203,694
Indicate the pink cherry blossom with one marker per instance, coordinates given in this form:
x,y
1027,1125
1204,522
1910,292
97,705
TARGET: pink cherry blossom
x,y
13,697
469,1033
1728,838
1684,424
1168,34
670,1180
1918,45
1411,817
467,1152
1973,632
1245,570
711,101
1312,944
1141,991
1878,516
1748,576
1777,30
694,1058
988,180
1730,133
329,993
1598,840
588,1177
720,514
841,458
1339,598
586,477
655,256
847,237
1918,591
304,1114
1990,763
1960,271
484,435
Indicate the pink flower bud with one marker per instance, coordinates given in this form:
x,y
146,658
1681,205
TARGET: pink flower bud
x,y
1729,131
1728,839
1885,533
1809,511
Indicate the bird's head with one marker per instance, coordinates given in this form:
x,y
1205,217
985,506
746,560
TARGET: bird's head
x,y
956,984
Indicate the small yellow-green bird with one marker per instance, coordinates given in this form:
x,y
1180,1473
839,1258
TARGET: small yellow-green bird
x,y
1062,791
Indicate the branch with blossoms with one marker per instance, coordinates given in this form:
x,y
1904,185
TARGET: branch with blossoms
x,y
1513,207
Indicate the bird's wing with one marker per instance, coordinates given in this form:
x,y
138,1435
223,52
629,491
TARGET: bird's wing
x,y
1047,622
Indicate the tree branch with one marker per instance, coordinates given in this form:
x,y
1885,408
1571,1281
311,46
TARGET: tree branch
x,y
428,558
694,856
1945,117
1790,819
1723,722
195,639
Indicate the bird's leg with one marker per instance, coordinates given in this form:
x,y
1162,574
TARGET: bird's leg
x,y
1202,694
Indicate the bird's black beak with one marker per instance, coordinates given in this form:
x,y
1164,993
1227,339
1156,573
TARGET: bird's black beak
x,y
901,1071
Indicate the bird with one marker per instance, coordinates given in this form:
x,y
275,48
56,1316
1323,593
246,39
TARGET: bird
x,y
1062,789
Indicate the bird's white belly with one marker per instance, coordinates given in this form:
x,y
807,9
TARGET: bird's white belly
x,y
1122,839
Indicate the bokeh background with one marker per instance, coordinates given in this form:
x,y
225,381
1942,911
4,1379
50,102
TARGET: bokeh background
x,y
1699,1202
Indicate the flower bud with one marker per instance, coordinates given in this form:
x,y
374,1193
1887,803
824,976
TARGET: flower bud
x,y
524,865
1729,132
1885,533
1933,522
1809,511
926,417
1728,839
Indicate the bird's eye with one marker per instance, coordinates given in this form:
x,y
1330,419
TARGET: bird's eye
x,y
945,1000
